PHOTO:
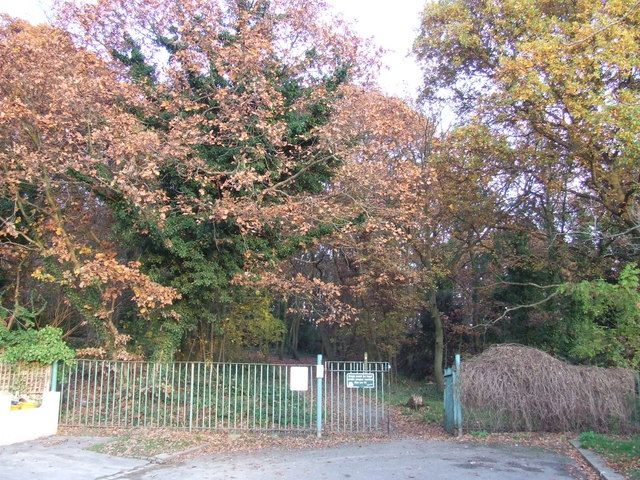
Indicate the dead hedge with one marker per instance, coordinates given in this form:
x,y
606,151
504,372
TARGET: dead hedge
x,y
516,388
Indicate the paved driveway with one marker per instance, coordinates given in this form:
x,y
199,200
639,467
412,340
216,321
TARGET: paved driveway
x,y
399,459
60,458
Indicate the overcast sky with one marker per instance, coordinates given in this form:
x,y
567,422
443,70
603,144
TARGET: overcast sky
x,y
392,24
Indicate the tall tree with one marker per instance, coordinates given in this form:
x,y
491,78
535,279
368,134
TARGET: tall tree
x,y
565,73
68,140
557,84
243,94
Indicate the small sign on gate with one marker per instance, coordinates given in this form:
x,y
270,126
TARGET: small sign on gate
x,y
361,380
299,379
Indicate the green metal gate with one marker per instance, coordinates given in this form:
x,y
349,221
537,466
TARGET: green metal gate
x,y
355,397
226,396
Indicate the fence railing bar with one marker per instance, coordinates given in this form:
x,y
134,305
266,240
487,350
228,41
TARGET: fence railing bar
x,y
82,394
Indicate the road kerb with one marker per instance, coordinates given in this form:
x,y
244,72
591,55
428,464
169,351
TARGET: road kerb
x,y
597,463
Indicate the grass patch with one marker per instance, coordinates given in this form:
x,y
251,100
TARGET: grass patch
x,y
622,452
402,388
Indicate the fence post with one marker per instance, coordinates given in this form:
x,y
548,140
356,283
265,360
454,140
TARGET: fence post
x,y
54,375
191,398
319,378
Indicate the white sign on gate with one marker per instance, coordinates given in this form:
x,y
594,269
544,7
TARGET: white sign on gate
x,y
361,380
299,379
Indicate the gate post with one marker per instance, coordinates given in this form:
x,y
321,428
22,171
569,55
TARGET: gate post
x,y
457,403
452,400
319,378
54,376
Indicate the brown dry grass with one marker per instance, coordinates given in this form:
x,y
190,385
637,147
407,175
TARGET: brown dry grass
x,y
516,388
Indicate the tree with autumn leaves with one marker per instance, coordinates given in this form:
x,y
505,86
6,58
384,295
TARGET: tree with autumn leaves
x,y
530,196
69,141
225,103
557,84
242,88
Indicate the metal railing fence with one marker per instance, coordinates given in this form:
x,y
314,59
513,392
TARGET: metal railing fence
x,y
194,395
224,396
25,380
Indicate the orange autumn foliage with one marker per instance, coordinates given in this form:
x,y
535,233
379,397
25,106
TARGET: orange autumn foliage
x,y
66,141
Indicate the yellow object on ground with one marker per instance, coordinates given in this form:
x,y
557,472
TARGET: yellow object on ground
x,y
24,406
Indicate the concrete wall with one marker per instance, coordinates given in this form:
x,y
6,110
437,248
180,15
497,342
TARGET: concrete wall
x,y
29,424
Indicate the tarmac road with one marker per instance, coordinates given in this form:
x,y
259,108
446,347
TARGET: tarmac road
x,y
66,459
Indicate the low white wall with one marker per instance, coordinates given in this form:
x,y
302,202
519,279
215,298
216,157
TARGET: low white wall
x,y
29,424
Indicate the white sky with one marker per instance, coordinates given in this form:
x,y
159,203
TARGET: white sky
x,y
392,24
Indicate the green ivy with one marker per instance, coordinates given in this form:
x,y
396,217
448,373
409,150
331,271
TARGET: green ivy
x,y
29,345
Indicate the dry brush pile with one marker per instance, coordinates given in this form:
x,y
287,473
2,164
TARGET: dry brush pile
x,y
516,388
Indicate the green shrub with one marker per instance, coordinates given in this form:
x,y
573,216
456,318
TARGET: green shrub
x,y
29,345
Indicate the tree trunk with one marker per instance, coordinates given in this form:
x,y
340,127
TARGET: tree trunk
x,y
438,351
327,346
294,338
